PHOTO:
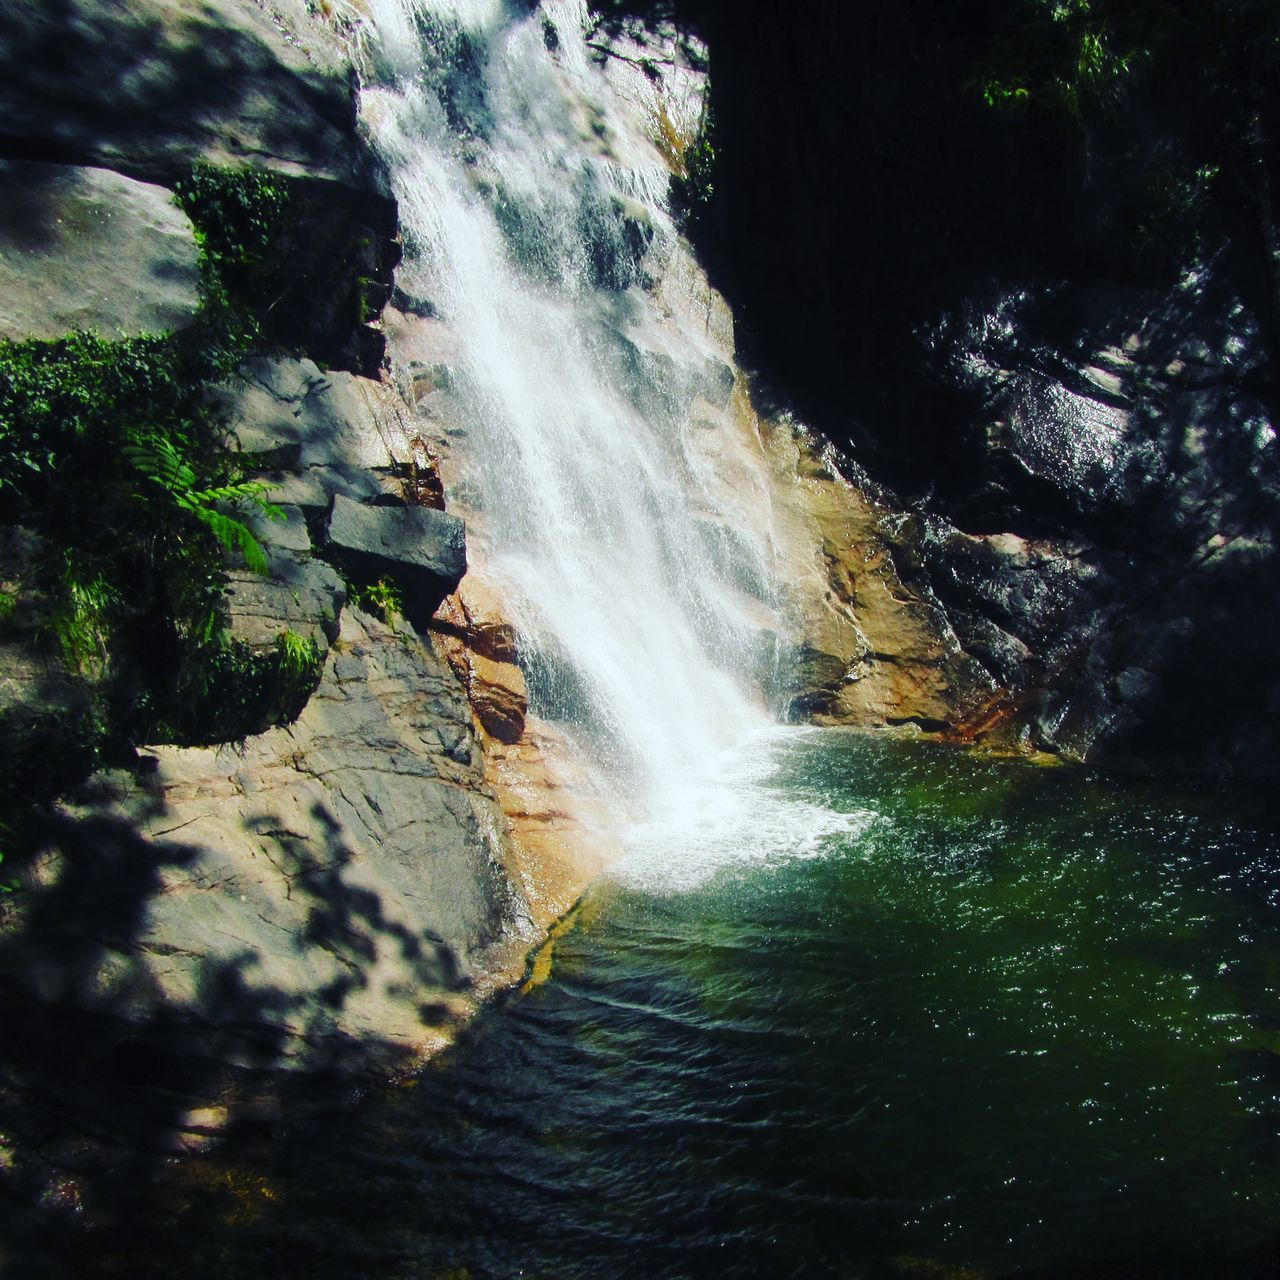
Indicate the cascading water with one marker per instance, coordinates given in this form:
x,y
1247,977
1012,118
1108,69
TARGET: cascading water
x,y
847,1006
534,209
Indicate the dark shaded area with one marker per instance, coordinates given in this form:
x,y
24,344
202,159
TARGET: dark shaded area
x,y
103,1081
866,199
1053,315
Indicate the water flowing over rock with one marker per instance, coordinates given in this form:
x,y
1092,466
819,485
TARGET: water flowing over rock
x,y
653,568
534,205
1051,332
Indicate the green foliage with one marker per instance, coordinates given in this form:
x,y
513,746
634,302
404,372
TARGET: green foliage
x,y
157,458
1073,55
9,886
237,214
298,656
382,598
59,401
1060,56
84,618
230,690
113,460
692,187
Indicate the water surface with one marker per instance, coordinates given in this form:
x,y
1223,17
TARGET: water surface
x,y
874,1009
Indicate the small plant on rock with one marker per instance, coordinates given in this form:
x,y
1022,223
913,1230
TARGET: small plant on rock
x,y
157,458
381,598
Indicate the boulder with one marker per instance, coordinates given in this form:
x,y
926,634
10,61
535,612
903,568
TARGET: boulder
x,y
152,87
299,594
317,433
318,897
85,248
149,86
422,550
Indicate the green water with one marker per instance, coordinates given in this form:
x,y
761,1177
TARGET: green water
x,y
884,1010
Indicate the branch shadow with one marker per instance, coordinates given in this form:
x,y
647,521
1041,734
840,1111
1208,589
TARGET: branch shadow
x,y
109,1073
87,84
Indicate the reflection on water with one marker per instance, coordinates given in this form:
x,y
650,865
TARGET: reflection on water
x,y
960,1014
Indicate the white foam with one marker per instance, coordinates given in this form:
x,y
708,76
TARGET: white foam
x,y
733,818
580,454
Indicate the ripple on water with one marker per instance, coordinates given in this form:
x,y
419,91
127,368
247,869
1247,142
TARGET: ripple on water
x,y
874,1002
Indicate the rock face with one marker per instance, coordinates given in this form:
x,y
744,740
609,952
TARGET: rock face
x,y
84,248
876,648
211,928
421,550
316,433
1052,338
321,896
148,90
144,87
1136,561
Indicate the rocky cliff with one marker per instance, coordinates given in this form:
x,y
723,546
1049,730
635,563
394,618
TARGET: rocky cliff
x,y
1034,298
327,893
318,865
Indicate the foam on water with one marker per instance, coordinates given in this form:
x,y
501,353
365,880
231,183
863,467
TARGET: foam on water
x,y
733,819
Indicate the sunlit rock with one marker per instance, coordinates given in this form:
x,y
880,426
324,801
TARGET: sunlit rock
x,y
84,248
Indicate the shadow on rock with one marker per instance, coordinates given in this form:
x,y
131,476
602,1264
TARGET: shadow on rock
x,y
123,1051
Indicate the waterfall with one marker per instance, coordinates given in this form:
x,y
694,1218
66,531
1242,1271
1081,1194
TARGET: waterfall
x,y
534,210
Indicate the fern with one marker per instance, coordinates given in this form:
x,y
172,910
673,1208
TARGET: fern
x,y
84,619
159,460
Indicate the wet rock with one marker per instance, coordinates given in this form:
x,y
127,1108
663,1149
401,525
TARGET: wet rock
x,y
84,248
485,628
500,697
1133,684
821,676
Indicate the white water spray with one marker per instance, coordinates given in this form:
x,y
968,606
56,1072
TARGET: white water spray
x,y
533,204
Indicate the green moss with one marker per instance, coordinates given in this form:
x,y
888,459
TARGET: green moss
x,y
372,298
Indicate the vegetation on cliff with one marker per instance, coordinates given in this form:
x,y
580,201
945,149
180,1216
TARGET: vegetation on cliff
x,y
120,496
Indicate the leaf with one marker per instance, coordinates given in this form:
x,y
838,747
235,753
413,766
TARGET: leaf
x,y
233,535
156,457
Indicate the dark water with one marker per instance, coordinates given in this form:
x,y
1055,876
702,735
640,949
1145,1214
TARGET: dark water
x,y
899,1012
